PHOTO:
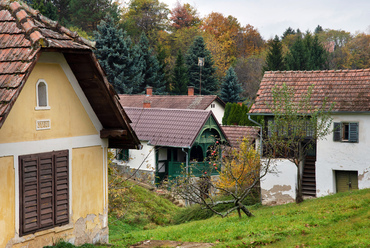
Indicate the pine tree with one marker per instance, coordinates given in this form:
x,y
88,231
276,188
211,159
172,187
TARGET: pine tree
x,y
162,56
296,58
151,70
274,58
227,113
231,88
180,77
209,84
118,58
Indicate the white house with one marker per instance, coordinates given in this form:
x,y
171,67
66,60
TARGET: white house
x,y
340,162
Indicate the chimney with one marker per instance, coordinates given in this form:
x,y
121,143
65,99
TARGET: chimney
x,y
190,90
146,104
149,90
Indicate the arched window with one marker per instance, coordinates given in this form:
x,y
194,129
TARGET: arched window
x,y
42,95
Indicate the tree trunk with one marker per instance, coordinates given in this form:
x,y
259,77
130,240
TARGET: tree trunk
x,y
245,210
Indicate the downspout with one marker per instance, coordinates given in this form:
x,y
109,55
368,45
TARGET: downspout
x,y
260,125
261,149
186,169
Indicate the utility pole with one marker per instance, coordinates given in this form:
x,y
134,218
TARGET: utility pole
x,y
200,64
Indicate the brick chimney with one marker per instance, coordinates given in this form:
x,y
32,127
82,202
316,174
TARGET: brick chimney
x,y
149,90
190,90
146,104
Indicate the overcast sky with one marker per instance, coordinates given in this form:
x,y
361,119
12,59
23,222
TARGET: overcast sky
x,y
273,17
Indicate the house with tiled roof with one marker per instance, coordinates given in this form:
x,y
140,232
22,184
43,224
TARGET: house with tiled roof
x,y
189,101
340,161
236,134
58,117
172,139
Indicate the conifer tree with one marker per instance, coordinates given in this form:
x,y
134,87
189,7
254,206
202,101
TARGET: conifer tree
x,y
118,58
209,84
226,113
180,77
151,69
296,58
230,88
274,58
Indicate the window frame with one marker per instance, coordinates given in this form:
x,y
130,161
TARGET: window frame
x,y
346,132
43,191
38,107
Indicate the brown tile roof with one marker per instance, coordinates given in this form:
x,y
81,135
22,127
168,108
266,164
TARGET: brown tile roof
x,y
235,134
167,127
170,101
348,89
24,35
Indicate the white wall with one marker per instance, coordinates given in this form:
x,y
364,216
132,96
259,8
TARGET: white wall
x,y
278,186
218,111
333,156
143,159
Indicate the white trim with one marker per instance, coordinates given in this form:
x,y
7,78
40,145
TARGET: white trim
x,y
38,107
58,58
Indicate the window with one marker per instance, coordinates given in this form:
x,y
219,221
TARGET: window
x,y
42,95
43,186
346,180
213,105
346,132
122,154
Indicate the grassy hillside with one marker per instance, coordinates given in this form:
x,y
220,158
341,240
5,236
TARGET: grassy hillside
x,y
340,220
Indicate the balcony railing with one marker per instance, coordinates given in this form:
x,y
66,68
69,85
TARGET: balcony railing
x,y
196,168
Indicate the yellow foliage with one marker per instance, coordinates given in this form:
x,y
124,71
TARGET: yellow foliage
x,y
240,167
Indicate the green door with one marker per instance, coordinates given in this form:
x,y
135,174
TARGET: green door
x,y
346,180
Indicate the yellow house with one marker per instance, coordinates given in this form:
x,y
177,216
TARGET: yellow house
x,y
58,117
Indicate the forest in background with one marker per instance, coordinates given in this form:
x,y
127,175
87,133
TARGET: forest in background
x,y
147,43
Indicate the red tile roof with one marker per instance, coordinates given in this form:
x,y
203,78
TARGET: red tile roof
x,y
24,35
235,134
170,101
167,127
349,90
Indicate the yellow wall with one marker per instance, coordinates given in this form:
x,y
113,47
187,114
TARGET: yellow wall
x,y
87,181
7,195
67,115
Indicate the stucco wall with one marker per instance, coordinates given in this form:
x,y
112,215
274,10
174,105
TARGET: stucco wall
x,y
218,111
333,156
143,159
278,186
7,200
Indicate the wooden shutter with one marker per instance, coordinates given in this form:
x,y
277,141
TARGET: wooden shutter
x,y
28,193
346,180
46,186
61,187
337,131
353,132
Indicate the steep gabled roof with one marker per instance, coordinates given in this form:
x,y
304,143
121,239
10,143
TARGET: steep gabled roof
x,y
170,101
24,35
168,127
348,89
235,134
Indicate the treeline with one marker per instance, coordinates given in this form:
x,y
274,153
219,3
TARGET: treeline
x,y
145,43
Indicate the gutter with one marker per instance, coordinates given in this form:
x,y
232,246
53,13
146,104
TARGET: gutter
x,y
260,125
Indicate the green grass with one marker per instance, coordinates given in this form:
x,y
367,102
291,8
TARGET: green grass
x,y
340,220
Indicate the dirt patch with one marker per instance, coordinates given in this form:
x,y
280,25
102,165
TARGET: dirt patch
x,y
168,243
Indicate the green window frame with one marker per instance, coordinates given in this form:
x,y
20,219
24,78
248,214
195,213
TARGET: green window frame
x,y
346,132
123,154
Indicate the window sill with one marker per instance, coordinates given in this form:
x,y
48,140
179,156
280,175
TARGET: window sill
x,y
41,233
42,108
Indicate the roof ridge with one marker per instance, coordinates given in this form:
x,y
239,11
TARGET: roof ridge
x,y
319,71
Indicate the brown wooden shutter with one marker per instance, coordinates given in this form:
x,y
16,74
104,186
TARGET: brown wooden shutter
x,y
61,187
28,193
46,186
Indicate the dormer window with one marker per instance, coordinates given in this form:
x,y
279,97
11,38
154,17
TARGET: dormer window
x,y
42,95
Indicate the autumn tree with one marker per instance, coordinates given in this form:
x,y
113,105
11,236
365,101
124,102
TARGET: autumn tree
x,y
240,170
230,87
148,16
296,126
206,77
359,49
274,58
249,41
180,78
184,16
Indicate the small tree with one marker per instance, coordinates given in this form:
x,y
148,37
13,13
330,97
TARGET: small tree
x,y
296,126
240,170
230,88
